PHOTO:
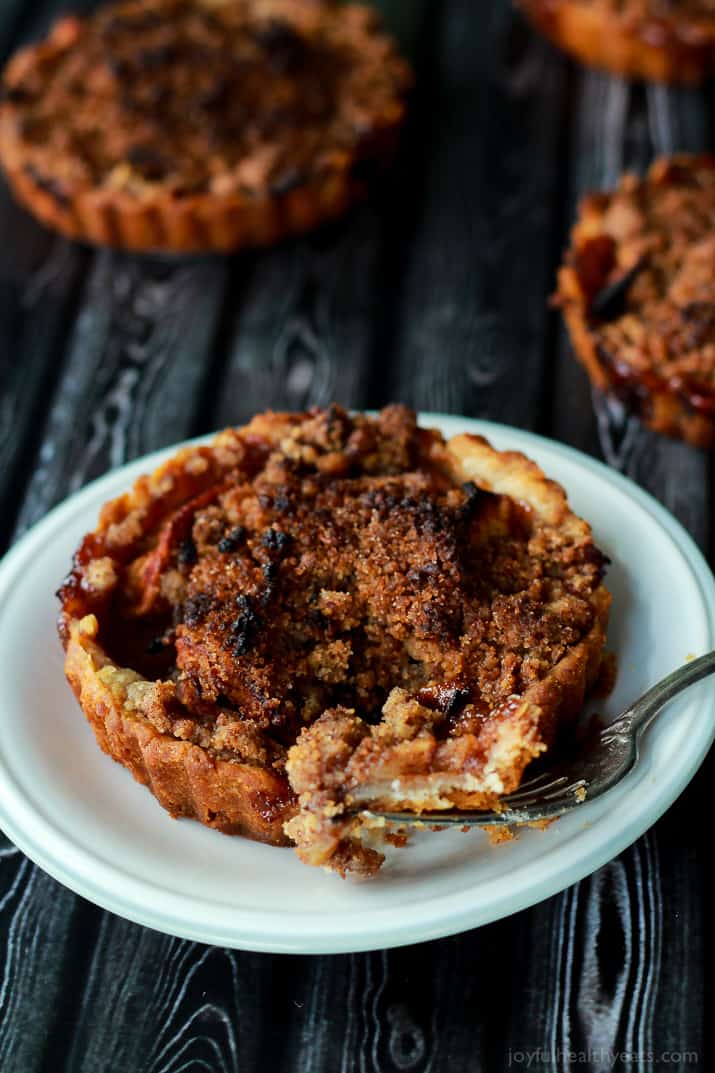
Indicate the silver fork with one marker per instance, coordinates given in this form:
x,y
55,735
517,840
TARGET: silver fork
x,y
608,758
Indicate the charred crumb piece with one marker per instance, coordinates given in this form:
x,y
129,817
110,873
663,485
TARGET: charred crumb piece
x,y
131,24
147,161
278,501
593,555
120,67
337,421
700,320
334,427
426,572
276,542
282,503
160,644
189,189
284,48
610,302
214,97
381,501
197,608
151,59
233,540
270,571
14,95
243,628
187,554
429,517
240,639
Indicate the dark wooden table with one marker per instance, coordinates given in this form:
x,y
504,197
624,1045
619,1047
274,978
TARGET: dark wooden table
x,y
435,295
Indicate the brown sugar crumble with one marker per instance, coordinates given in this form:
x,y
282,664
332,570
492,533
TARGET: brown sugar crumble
x,y
638,294
338,609
196,107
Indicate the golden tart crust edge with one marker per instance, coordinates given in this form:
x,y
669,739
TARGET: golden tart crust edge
x,y
200,223
676,49
256,801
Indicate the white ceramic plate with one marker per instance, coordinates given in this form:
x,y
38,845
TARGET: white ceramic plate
x,y
84,820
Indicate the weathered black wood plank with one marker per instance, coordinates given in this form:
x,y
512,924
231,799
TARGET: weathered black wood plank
x,y
38,956
480,186
135,367
36,300
152,1002
303,321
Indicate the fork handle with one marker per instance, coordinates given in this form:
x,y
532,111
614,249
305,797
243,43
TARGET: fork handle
x,y
640,713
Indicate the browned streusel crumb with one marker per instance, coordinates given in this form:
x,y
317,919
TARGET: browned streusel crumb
x,y
499,834
664,40
342,610
638,294
231,121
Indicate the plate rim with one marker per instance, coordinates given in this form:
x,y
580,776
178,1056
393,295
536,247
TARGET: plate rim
x,y
257,936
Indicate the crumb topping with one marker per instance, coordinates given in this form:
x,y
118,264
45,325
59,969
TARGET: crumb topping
x,y
205,96
349,564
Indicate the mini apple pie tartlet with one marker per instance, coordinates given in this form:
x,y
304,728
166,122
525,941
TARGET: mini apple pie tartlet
x,y
319,612
637,291
656,40
201,125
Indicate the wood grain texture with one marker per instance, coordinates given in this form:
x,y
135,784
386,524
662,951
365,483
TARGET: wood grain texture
x,y
135,367
37,295
301,323
434,294
480,175
38,957
155,1003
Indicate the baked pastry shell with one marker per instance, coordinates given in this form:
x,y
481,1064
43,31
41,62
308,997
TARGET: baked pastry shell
x,y
253,800
665,408
155,221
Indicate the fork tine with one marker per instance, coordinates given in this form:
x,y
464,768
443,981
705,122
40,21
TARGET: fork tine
x,y
539,785
564,791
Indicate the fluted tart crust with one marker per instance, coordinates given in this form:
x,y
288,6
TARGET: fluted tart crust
x,y
201,125
319,611
637,291
656,40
